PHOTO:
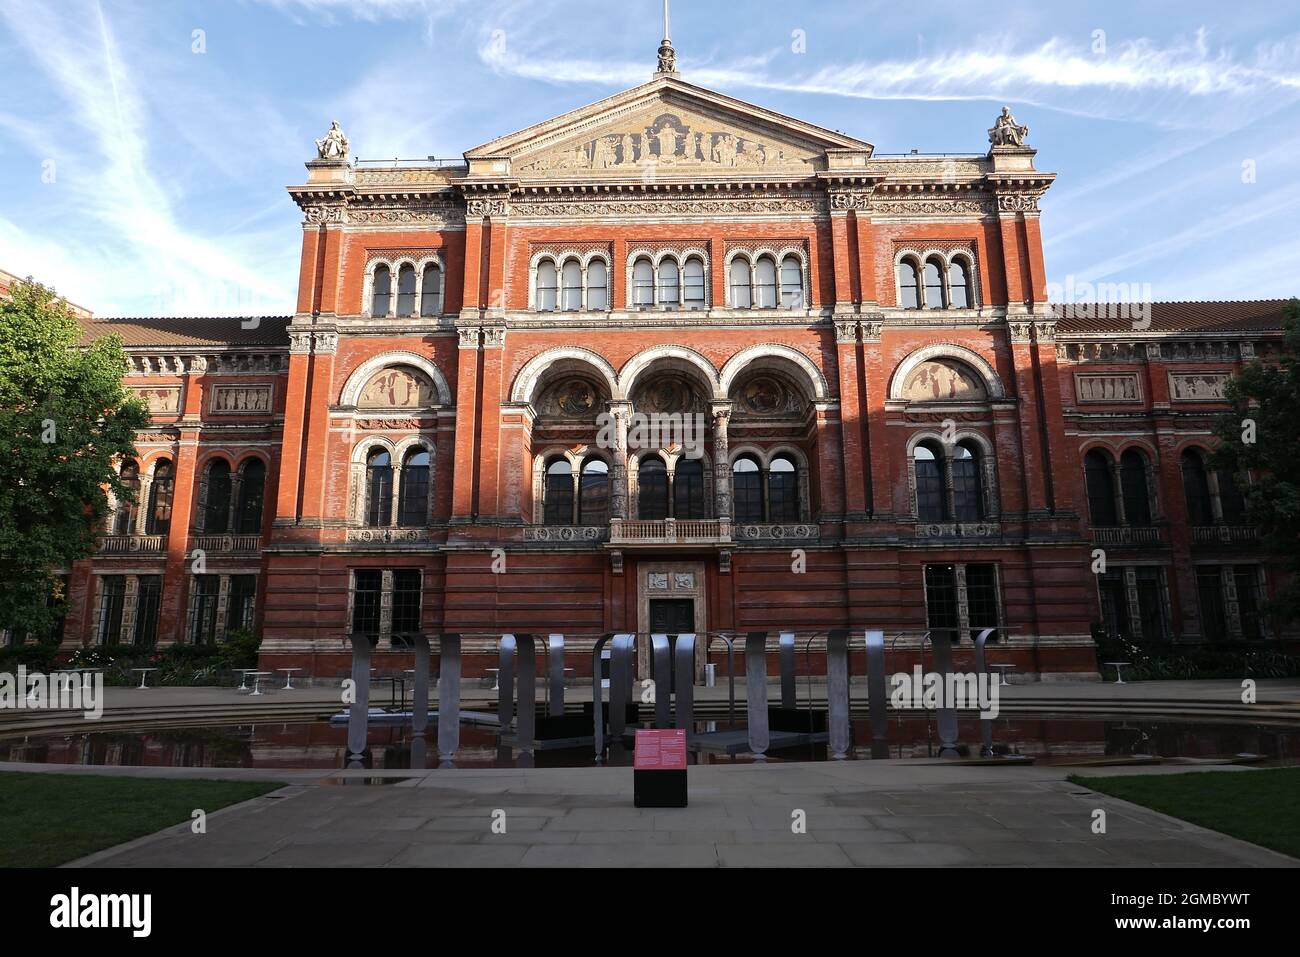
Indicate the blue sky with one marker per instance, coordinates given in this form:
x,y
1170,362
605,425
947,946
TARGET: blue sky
x,y
142,177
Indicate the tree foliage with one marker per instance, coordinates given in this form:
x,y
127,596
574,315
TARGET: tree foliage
x,y
1262,435
65,423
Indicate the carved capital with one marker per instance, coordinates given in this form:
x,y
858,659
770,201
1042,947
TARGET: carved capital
x,y
327,342
1021,331
322,214
1018,202
469,336
871,331
494,337
1045,330
846,331
846,199
299,343
480,207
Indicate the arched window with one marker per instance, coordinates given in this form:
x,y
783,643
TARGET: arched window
x,y
741,294
597,285
431,291
765,284
413,504
791,283
252,493
643,283
934,292
160,500
782,491
694,283
381,291
1232,504
1133,487
909,290
124,514
670,290
406,290
571,280
959,291
652,489
379,489
747,490
688,489
1196,489
967,495
931,502
593,493
558,496
216,512
547,286
1101,489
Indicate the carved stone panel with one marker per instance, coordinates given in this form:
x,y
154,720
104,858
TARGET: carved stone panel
x,y
160,400
398,388
240,399
1197,386
1107,387
943,380
674,139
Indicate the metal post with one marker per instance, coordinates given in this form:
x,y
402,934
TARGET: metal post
x,y
947,714
981,668
685,655
877,694
555,665
787,671
620,676
731,674
756,691
448,696
420,692
598,696
359,715
505,681
526,716
837,692
663,677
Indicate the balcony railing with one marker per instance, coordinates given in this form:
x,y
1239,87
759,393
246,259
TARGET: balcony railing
x,y
669,531
228,544
1224,534
132,544
1126,535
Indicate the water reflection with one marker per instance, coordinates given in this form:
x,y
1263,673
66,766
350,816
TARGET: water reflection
x,y
317,744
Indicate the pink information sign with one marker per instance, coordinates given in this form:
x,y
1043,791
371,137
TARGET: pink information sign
x,y
660,750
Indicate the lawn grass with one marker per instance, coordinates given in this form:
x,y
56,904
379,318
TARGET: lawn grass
x,y
49,819
1262,806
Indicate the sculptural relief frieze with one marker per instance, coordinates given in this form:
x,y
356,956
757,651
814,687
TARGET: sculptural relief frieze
x,y
669,140
241,400
398,388
940,380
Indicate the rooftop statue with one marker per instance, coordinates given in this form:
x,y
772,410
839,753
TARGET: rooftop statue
x,y
1006,132
334,145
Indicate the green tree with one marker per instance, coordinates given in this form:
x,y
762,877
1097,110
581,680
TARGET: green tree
x,y
65,420
1262,434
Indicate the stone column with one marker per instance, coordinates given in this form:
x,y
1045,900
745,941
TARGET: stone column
x,y
618,487
721,461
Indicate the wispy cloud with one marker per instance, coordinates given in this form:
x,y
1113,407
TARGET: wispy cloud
x,y
131,236
991,68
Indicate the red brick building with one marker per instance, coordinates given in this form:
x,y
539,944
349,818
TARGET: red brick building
x,y
887,425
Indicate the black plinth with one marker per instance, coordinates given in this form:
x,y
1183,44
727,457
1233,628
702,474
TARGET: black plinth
x,y
659,788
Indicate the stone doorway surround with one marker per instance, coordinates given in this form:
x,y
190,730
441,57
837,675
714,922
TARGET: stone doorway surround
x,y
670,579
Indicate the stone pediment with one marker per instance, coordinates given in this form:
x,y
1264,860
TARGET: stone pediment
x,y
662,129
